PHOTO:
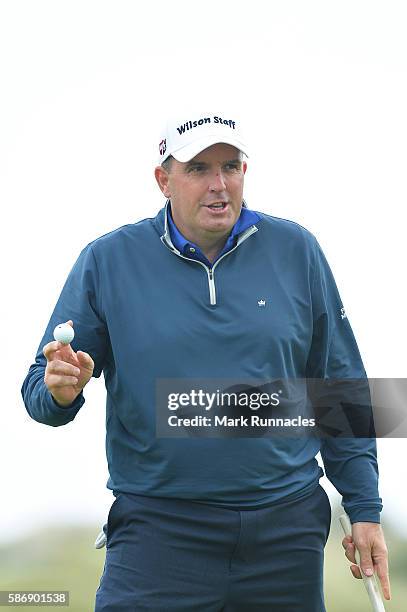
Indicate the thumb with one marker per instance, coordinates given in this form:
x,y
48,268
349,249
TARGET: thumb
x,y
366,563
85,360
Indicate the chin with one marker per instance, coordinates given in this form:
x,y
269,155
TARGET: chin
x,y
219,226
225,222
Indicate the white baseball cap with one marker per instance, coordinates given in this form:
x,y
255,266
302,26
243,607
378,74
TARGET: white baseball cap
x,y
186,136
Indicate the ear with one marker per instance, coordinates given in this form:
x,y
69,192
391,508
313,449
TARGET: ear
x,y
244,167
162,178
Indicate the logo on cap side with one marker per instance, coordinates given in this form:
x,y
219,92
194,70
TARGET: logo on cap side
x,y
163,146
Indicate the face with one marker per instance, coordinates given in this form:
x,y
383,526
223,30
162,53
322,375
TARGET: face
x,y
214,177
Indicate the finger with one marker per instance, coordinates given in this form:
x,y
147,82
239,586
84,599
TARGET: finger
x,y
350,553
61,367
85,360
50,349
70,323
54,381
366,563
383,575
347,540
356,571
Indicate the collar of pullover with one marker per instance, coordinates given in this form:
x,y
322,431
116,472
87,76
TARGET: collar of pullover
x,y
247,218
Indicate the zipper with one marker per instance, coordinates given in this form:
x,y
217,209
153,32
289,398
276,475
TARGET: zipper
x,y
209,271
212,288
166,240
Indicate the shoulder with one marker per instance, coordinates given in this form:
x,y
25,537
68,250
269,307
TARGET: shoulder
x,y
285,230
119,237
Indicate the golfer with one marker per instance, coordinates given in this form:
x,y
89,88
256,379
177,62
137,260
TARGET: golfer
x,y
209,290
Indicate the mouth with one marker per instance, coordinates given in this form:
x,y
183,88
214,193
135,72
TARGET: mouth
x,y
217,207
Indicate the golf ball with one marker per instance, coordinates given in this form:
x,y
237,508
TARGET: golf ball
x,y
64,333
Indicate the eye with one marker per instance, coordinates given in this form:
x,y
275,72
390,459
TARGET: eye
x,y
196,169
232,166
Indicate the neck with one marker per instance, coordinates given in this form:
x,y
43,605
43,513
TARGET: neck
x,y
210,245
212,251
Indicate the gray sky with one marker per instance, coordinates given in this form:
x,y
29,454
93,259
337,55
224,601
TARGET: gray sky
x,y
322,90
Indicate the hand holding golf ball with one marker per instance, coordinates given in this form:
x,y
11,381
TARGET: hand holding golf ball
x,y
67,371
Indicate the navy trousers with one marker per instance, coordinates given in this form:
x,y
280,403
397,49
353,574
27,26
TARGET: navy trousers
x,y
167,555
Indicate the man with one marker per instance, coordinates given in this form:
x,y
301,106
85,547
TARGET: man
x,y
209,289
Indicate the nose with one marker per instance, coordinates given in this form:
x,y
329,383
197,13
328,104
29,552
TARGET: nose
x,y
217,181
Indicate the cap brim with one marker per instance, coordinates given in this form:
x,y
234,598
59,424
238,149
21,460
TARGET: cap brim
x,y
185,154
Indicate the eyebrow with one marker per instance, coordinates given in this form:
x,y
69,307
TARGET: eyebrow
x,y
193,163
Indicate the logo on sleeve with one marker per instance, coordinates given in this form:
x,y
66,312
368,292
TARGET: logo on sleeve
x,y
343,314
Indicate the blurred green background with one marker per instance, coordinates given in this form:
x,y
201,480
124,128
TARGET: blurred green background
x,y
64,559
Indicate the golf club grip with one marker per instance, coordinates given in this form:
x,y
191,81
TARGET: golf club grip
x,y
369,581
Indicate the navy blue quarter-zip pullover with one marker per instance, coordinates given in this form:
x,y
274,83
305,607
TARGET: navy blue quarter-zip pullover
x,y
144,310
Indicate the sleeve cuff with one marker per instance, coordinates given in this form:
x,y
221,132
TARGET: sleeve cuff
x,y
364,515
65,410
